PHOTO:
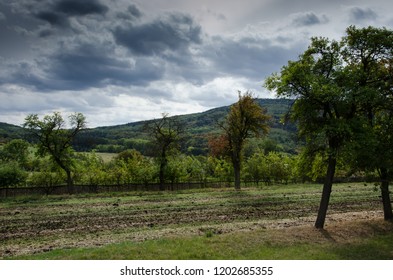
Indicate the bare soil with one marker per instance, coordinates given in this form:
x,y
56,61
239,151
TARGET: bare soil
x,y
28,227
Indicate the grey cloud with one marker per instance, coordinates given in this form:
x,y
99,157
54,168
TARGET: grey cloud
x,y
23,73
14,20
218,16
249,57
15,43
91,66
45,33
132,13
55,19
86,66
308,19
172,33
58,13
359,14
80,8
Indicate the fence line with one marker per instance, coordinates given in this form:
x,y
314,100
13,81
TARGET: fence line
x,y
79,189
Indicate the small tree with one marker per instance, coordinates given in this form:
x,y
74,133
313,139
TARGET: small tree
x,y
90,169
166,134
55,140
16,150
256,168
11,175
246,118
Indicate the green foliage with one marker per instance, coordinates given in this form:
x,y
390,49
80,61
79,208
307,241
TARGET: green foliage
x,y
266,145
311,166
90,169
16,150
10,132
55,140
271,167
11,175
46,178
246,118
220,169
46,174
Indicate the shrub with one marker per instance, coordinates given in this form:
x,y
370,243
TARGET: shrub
x,y
11,175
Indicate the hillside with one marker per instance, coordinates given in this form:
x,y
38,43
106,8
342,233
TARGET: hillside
x,y
9,132
199,127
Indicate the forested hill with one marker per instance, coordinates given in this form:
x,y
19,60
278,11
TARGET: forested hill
x,y
9,132
199,127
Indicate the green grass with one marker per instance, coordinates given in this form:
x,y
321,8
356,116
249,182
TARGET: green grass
x,y
250,245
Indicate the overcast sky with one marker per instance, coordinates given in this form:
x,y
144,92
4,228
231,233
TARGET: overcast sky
x,y
119,61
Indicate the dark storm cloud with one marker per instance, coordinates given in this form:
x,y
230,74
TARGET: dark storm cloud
x,y
308,19
55,19
172,33
58,13
87,66
90,66
362,14
80,8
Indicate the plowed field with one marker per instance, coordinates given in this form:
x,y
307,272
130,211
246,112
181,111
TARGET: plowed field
x,y
37,224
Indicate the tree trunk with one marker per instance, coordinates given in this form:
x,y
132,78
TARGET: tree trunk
x,y
70,182
387,206
237,178
236,169
161,176
327,189
163,163
67,169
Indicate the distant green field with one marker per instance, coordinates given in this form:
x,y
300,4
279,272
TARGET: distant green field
x,y
106,157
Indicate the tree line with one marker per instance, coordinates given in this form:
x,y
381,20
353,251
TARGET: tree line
x,y
24,165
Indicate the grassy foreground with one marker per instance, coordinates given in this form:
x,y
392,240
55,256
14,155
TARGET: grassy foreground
x,y
267,222
244,245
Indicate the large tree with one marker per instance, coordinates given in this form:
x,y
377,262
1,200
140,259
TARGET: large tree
x,y
166,134
369,56
320,108
55,139
246,118
342,95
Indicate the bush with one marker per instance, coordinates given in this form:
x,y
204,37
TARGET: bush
x,y
11,175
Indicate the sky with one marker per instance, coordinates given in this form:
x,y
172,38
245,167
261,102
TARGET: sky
x,y
120,61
